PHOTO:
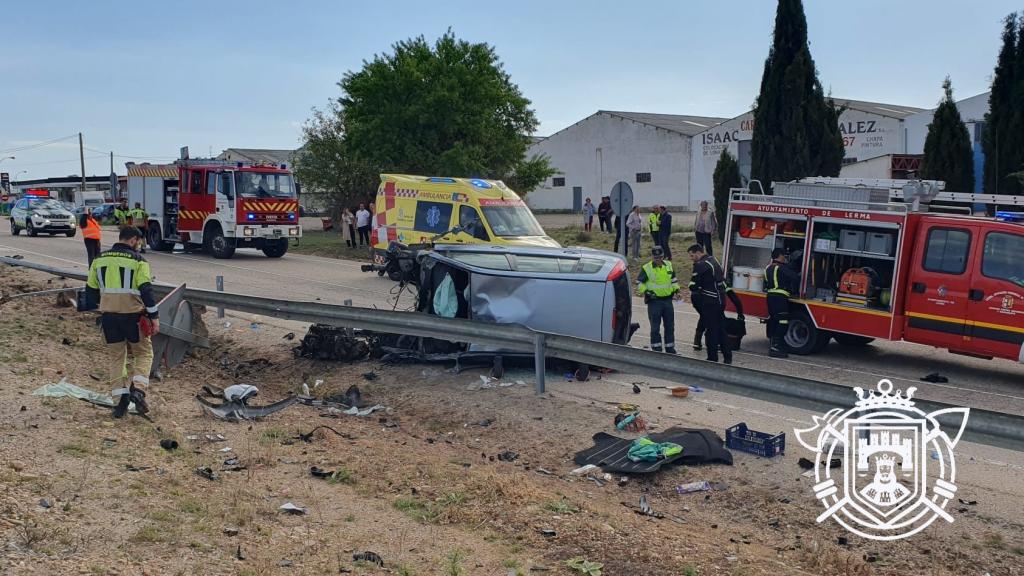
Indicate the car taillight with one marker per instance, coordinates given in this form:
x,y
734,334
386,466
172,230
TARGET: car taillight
x,y
618,270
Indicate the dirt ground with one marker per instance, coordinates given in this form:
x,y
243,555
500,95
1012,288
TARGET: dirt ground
x,y
419,484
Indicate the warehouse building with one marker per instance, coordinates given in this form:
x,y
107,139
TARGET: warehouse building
x,y
972,112
651,152
869,130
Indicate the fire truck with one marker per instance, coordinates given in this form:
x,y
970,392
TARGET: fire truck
x,y
878,260
216,206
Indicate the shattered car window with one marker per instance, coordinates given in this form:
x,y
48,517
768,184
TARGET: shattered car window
x,y
543,264
479,260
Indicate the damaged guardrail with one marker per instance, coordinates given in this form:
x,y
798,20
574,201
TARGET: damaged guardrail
x,y
984,426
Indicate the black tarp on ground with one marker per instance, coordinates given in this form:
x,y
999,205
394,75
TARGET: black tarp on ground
x,y
700,446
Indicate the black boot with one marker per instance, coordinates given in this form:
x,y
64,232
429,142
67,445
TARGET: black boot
x,y
777,349
727,357
138,397
670,349
122,406
697,337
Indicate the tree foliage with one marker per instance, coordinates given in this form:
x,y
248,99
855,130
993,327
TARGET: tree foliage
x,y
1003,142
947,148
325,166
726,176
446,109
796,128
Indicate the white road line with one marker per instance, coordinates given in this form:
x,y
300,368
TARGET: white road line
x,y
20,251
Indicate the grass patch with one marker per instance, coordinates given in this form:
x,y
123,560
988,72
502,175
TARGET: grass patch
x,y
349,518
562,506
328,244
1018,550
151,535
165,516
342,476
416,509
994,540
689,571
15,358
74,450
453,563
273,435
192,506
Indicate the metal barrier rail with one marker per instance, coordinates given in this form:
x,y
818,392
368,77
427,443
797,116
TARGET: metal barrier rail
x,y
984,426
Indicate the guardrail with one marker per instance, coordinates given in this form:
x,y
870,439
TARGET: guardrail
x,y
984,426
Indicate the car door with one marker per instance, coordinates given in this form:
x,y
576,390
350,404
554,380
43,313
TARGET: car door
x,y
21,214
995,308
936,304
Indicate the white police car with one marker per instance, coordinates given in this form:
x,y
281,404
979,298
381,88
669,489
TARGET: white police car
x,y
36,214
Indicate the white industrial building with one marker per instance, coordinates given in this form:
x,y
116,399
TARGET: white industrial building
x,y
972,112
651,152
869,130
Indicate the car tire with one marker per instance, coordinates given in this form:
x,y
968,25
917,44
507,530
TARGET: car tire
x,y
803,337
14,228
30,229
275,248
218,245
70,233
155,239
852,340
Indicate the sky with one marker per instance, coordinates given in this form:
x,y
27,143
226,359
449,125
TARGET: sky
x,y
142,79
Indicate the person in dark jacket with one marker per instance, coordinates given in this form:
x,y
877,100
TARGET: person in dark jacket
x,y
695,295
604,214
781,283
708,281
665,231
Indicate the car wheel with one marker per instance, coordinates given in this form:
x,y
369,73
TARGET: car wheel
x,y
218,245
275,248
852,340
803,337
70,233
30,229
14,228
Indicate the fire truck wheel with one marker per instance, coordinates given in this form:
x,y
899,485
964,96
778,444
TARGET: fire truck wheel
x,y
803,336
217,244
155,239
275,249
853,340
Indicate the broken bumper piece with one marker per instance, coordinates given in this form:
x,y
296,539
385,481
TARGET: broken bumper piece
x,y
235,410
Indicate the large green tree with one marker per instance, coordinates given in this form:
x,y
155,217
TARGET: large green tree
x,y
446,109
1003,142
726,176
328,170
947,148
796,128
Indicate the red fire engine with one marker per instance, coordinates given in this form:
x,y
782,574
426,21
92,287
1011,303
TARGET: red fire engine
x,y
874,268
216,205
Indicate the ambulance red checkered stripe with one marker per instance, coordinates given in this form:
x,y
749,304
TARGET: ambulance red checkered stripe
x,y
406,193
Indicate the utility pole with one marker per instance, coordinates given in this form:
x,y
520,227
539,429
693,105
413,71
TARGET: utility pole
x,y
81,158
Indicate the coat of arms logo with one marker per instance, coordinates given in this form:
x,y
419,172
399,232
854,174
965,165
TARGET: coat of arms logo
x,y
898,472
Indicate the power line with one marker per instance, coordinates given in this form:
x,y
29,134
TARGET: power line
x,y
58,161
129,156
37,145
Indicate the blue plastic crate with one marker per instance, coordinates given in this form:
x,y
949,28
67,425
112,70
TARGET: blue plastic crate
x,y
739,437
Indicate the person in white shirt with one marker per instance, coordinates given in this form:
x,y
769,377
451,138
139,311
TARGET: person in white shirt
x,y
634,225
363,225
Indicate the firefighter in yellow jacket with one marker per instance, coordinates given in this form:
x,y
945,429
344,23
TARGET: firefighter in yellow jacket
x,y
120,281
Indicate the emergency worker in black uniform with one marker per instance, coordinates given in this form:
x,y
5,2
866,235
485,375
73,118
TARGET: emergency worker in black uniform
x,y
781,282
708,284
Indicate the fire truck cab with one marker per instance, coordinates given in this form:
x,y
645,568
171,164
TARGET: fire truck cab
x,y
216,206
874,268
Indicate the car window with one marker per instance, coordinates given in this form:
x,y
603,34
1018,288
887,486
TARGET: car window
x,y
545,264
1001,258
469,217
946,250
591,265
433,217
481,260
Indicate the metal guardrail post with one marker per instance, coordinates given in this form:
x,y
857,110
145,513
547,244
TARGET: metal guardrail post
x,y
539,350
220,288
349,331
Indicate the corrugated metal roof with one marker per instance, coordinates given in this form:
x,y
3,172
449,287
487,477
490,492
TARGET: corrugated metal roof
x,y
688,125
889,110
258,155
154,170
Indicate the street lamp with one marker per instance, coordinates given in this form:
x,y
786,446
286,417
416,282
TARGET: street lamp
x,y
7,158
18,173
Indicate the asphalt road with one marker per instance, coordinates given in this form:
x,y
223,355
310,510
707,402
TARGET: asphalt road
x,y
991,384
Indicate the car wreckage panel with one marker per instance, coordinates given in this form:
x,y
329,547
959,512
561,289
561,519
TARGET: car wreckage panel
x,y
558,306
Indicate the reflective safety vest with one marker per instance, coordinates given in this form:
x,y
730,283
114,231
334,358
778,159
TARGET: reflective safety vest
x,y
138,216
122,278
773,283
654,222
121,215
660,280
91,230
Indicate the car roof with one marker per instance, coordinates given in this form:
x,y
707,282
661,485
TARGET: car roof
x,y
548,251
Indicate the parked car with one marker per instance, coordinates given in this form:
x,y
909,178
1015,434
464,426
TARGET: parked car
x,y
101,213
40,214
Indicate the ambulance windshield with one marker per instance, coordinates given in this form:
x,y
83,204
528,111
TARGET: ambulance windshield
x,y
264,185
512,221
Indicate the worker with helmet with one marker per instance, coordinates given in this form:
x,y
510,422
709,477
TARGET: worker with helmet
x,y
658,284
781,282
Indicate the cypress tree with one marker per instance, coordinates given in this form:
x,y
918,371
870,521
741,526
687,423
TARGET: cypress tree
x,y
947,148
796,131
1001,144
727,175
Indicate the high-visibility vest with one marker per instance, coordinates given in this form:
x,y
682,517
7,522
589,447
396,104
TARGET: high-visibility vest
x,y
119,275
660,280
91,230
653,222
138,216
771,280
121,215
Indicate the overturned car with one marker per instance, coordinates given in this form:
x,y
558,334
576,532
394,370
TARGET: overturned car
x,y
572,291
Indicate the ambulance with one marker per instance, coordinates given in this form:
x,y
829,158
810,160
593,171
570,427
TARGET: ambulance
x,y
421,210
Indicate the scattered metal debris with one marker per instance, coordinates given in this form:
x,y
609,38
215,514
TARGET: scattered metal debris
x,y
371,557
169,444
323,342
508,456
236,410
207,472
290,508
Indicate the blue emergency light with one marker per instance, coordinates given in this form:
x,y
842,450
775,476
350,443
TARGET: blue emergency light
x,y
1010,216
291,215
250,216
479,183
442,180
